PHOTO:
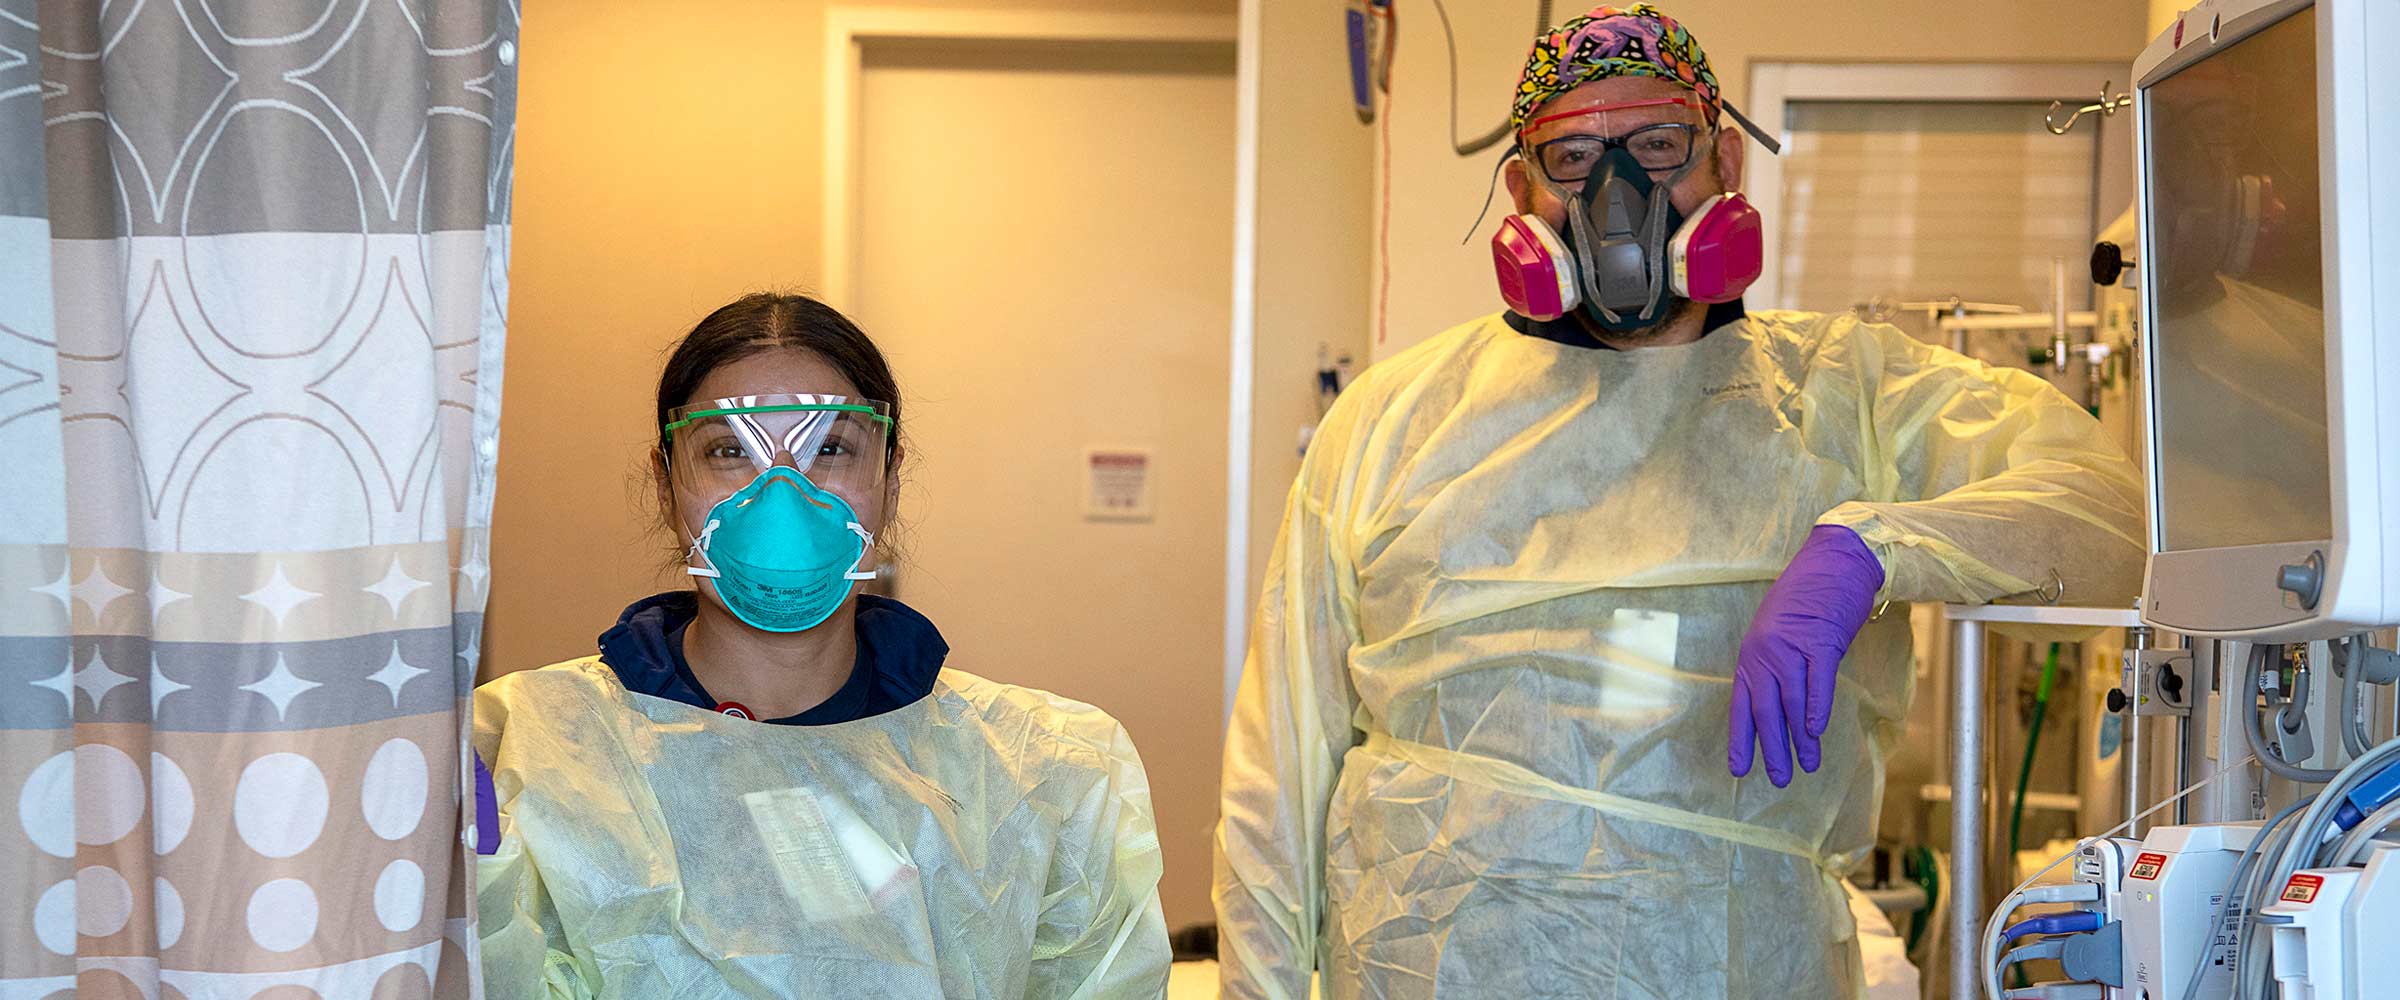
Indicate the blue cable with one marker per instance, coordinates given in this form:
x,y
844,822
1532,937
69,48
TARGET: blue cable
x,y
2368,796
2076,922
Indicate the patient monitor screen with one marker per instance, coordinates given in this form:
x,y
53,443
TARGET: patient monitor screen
x,y
2239,320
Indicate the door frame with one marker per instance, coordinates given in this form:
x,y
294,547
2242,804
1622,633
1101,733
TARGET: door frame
x,y
849,30
1774,85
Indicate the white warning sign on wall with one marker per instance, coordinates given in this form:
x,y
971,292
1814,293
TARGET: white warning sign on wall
x,y
1117,484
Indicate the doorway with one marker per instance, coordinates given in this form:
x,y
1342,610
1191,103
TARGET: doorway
x,y
1037,227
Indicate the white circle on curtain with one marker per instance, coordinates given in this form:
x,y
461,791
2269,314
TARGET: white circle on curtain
x,y
279,805
169,904
46,805
393,794
110,802
103,902
54,918
170,803
400,895
283,915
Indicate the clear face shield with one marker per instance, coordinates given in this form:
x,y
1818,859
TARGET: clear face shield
x,y
840,444
782,479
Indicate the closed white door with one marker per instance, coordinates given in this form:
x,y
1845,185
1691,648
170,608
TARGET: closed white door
x,y
1044,239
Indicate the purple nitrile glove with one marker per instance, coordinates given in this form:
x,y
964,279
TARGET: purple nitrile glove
x,y
1783,681
487,811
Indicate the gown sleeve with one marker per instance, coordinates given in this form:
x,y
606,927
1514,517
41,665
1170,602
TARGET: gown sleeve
x,y
1291,728
1102,931
1981,482
524,949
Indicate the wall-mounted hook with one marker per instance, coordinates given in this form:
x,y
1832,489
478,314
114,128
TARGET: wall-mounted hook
x,y
2107,106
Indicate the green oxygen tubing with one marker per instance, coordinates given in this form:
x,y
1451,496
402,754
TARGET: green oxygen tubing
x,y
2033,741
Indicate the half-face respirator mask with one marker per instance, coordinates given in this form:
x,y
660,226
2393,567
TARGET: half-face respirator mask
x,y
1628,250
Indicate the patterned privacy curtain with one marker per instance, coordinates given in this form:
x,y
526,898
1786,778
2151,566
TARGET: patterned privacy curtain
x,y
253,282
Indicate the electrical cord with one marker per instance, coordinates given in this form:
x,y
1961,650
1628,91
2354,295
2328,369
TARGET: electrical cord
x,y
2294,836
2033,742
1990,954
1937,929
1928,878
2052,948
2255,718
2322,812
2367,795
2294,849
2354,669
2064,892
2354,844
2249,969
2033,737
2070,922
2264,879
1470,147
2236,894
2060,991
2293,714
1992,931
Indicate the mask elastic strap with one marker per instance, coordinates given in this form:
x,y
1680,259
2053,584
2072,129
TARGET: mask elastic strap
x,y
866,548
1655,254
699,550
1579,231
1490,188
1661,199
1774,147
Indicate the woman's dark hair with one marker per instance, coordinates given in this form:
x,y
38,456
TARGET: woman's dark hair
x,y
765,321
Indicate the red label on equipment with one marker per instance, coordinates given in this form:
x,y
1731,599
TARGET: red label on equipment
x,y
2302,888
2147,866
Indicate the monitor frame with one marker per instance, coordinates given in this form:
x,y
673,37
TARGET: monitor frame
x,y
2233,592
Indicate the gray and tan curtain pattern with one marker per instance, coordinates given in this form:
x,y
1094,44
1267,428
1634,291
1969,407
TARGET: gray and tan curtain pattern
x,y
253,284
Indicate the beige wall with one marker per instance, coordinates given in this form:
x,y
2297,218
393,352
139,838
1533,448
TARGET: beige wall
x,y
1315,219
1435,281
669,158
